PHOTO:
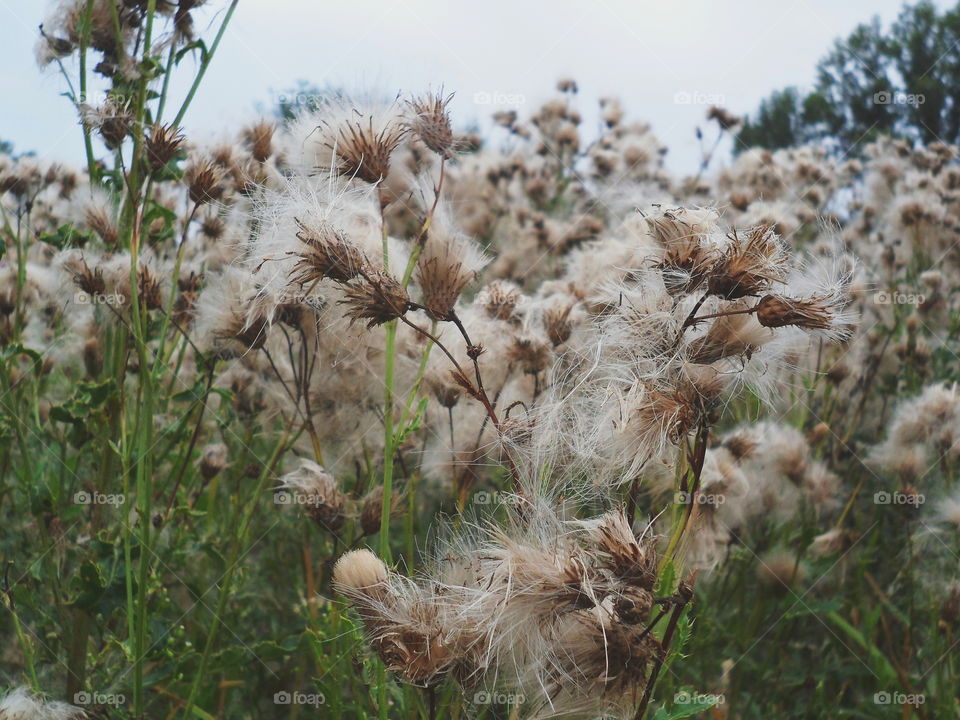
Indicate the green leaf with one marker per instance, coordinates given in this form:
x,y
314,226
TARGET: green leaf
x,y
87,398
66,236
90,585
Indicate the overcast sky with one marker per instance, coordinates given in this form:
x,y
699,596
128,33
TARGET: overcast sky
x,y
666,60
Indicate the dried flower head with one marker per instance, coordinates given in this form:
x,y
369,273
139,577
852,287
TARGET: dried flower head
x,y
329,254
814,313
162,145
447,264
316,489
259,137
362,147
359,571
205,181
213,459
376,297
431,123
749,264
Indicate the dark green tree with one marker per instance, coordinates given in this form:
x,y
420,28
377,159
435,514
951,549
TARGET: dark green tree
x,y
900,81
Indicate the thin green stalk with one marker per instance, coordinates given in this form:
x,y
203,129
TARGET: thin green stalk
x,y
84,41
235,555
205,64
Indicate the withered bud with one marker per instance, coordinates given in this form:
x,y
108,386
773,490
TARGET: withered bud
x,y
360,570
558,325
360,150
163,144
92,357
148,289
446,394
431,123
818,433
723,117
377,298
204,180
90,281
371,507
778,311
317,490
749,264
112,120
100,220
213,226
505,118
259,137
213,459
531,354
329,254
500,299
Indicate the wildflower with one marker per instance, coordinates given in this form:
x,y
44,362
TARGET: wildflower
x,y
22,704
748,265
162,145
446,265
499,299
113,120
328,254
204,180
259,137
362,147
360,571
810,314
213,459
376,297
431,123
724,118
318,489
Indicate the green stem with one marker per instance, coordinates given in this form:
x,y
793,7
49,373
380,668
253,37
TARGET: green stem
x,y
84,41
204,64
235,555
